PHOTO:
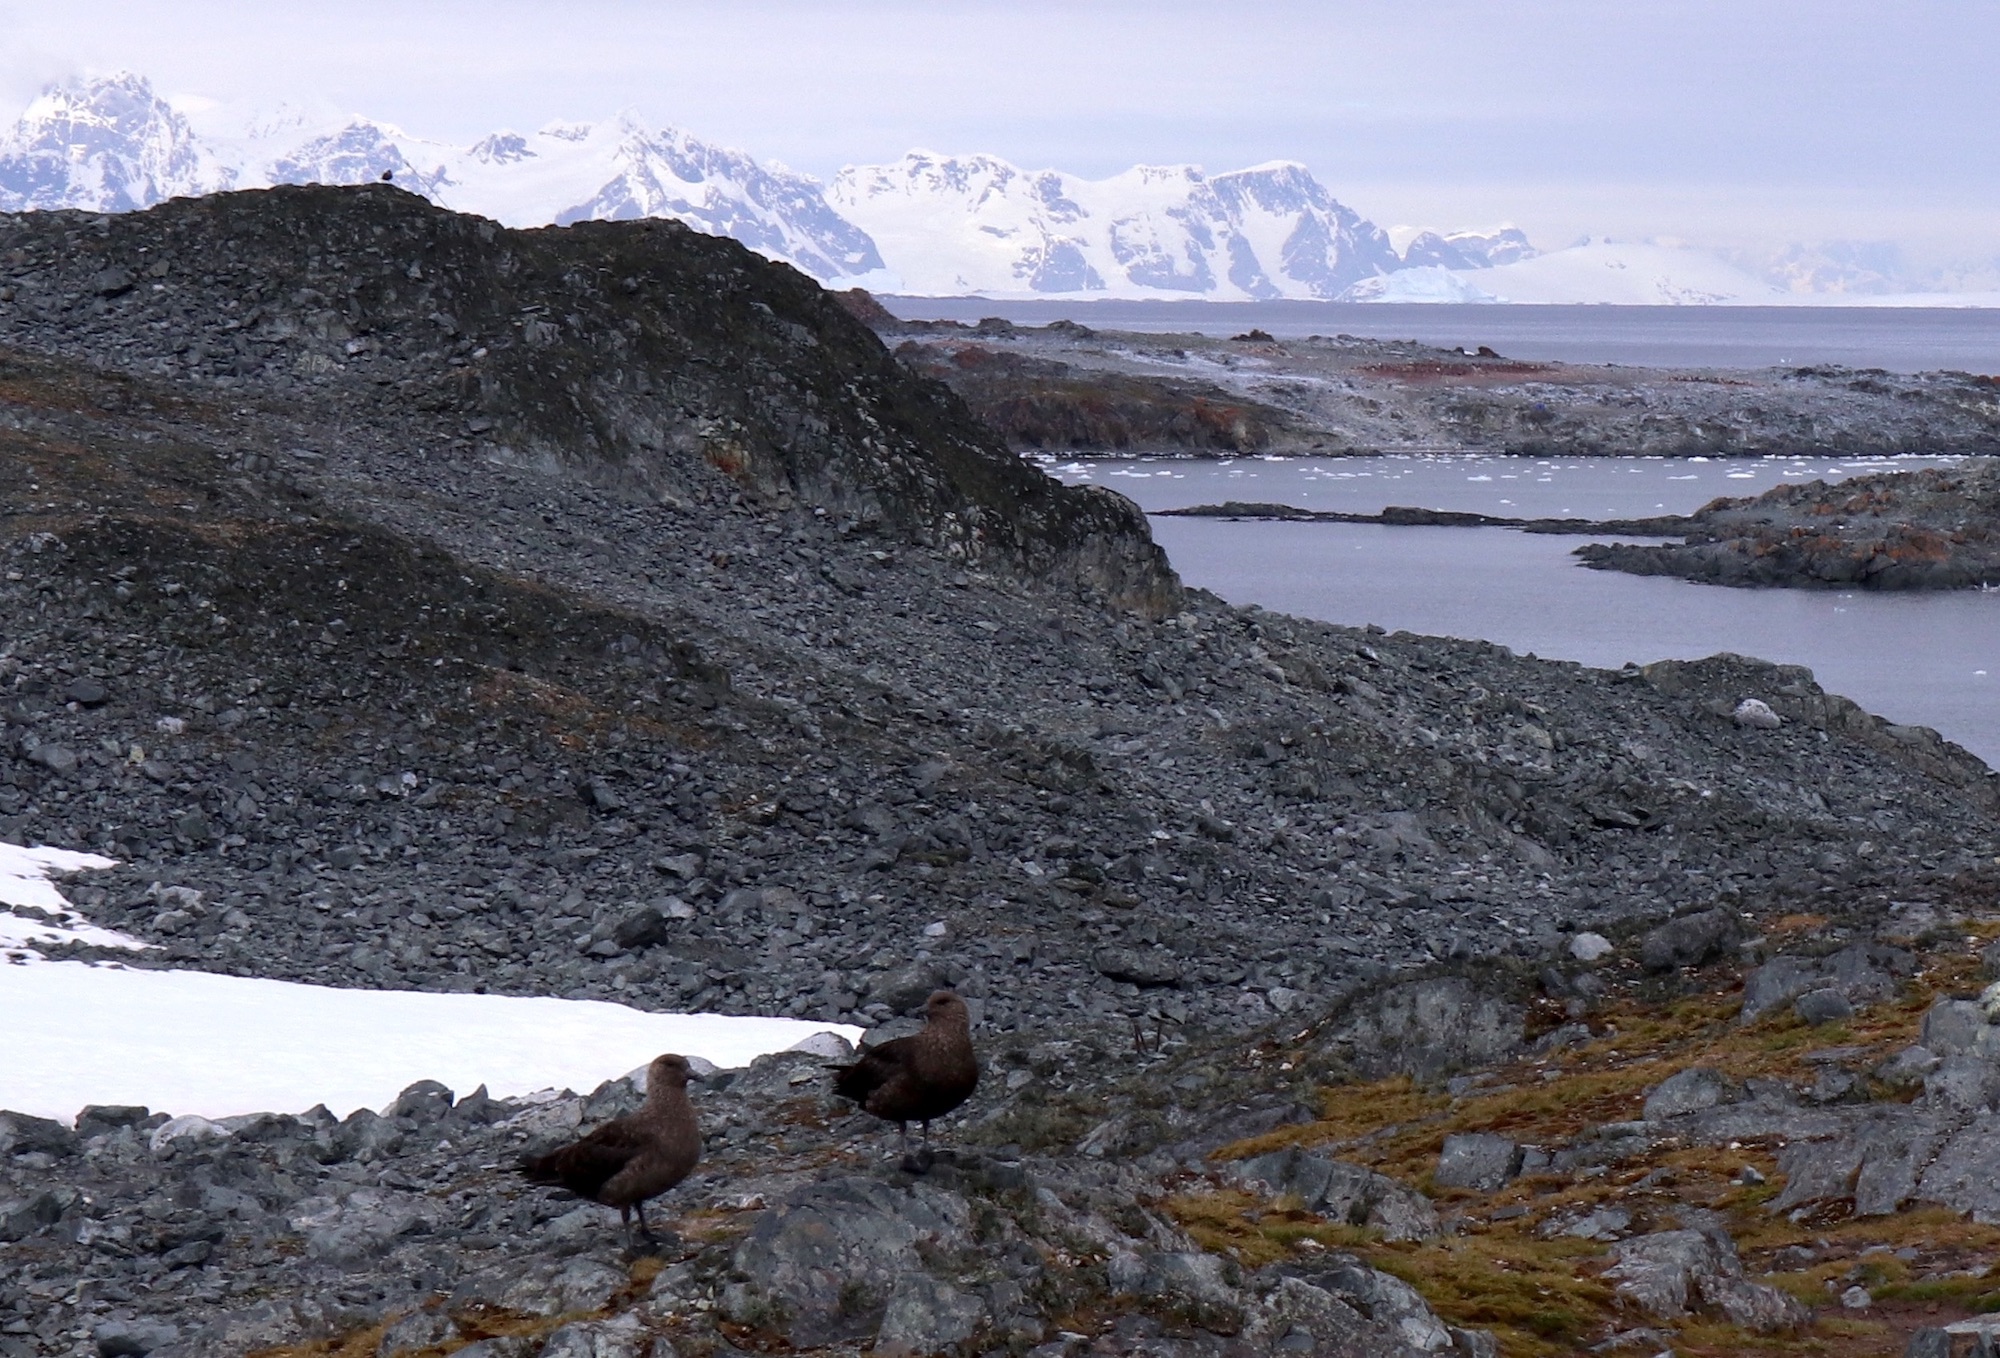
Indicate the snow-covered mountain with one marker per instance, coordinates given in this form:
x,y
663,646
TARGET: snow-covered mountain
x,y
926,224
108,144
113,145
1467,249
958,224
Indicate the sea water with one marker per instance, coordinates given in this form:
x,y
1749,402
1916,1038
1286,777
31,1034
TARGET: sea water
x,y
1929,659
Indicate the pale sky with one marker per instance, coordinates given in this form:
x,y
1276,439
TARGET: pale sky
x,y
1742,122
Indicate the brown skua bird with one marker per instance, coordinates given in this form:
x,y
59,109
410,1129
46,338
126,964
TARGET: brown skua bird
x,y
632,1159
919,1077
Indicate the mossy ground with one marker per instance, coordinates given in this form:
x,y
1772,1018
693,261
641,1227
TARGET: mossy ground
x,y
1544,1295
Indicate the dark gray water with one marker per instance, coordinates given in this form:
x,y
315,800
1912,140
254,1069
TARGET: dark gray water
x,y
1901,339
1929,659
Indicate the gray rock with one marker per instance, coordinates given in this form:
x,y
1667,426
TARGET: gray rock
x,y
21,1133
904,988
426,1101
1965,1176
1929,1342
822,1266
423,1329
1478,1160
357,1228
1755,714
1817,1007
1140,968
1863,974
543,1286
620,1336
925,1316
1427,1029
1670,1274
1875,1163
114,281
1346,1193
1689,940
132,1338
644,928
21,1217
59,759
1608,1222
85,692
1687,1091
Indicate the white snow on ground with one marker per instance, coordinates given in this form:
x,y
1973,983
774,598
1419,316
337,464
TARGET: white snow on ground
x,y
24,882
193,1042
196,1042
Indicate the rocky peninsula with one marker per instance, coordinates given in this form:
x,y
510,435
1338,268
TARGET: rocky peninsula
x,y
1066,388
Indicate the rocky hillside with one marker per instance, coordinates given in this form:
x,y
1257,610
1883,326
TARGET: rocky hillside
x,y
603,612
592,346
1934,529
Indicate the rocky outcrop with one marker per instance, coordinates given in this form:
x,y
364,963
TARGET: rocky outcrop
x,y
1932,529
1671,1274
1044,404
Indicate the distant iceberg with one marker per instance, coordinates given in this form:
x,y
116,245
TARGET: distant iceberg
x,y
1425,283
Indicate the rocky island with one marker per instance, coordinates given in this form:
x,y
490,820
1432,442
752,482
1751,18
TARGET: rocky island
x,y
605,612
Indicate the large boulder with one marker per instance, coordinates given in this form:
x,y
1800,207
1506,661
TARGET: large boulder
x,y
1689,940
1426,1029
1480,1160
1341,1308
1875,1164
824,1266
1687,1091
1346,1193
1672,1274
1862,974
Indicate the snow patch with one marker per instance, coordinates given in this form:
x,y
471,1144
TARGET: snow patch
x,y
204,1045
213,1046
25,884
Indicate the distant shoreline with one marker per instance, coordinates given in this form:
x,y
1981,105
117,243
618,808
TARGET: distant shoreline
x,y
1898,339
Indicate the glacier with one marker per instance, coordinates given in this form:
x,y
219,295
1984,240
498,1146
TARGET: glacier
x,y
958,224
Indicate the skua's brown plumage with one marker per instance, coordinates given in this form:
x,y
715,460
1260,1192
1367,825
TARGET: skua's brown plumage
x,y
632,1159
919,1077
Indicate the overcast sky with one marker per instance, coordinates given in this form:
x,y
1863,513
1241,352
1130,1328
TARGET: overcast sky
x,y
1745,122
